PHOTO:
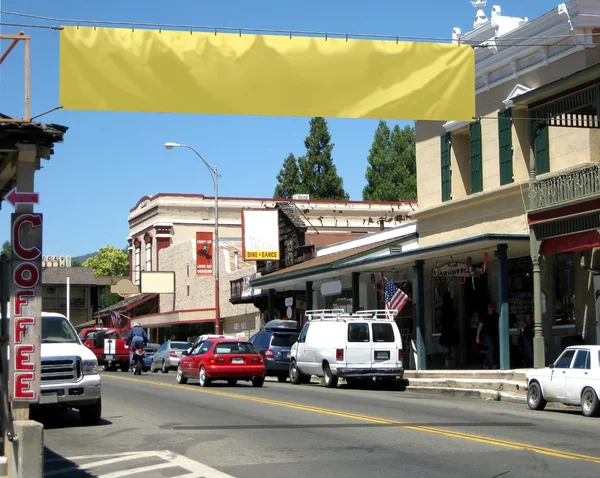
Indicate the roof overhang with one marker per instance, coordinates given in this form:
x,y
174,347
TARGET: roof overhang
x,y
579,79
475,247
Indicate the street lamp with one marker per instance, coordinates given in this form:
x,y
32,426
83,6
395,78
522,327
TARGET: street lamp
x,y
215,175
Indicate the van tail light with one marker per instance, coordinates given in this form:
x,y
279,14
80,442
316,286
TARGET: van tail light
x,y
400,355
269,354
339,354
172,353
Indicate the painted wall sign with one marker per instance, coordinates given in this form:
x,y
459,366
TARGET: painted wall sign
x,y
26,303
204,253
260,234
451,269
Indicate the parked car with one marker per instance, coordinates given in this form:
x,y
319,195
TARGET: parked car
x,y
222,359
68,372
150,350
202,338
167,356
274,343
573,379
334,344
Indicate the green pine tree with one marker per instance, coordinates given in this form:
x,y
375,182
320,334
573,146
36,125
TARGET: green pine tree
x,y
318,174
391,173
288,179
7,249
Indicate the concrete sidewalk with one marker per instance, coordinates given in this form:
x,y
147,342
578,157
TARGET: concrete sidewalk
x,y
505,385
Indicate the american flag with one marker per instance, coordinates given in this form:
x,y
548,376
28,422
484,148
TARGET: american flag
x,y
395,298
115,319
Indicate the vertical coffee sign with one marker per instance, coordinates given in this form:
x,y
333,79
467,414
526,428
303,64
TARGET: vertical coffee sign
x,y
26,306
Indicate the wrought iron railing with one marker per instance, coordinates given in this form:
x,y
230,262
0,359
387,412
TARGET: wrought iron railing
x,y
565,187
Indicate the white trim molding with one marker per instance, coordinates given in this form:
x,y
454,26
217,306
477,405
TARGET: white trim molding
x,y
518,90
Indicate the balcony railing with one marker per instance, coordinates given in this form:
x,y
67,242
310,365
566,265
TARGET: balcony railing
x,y
566,187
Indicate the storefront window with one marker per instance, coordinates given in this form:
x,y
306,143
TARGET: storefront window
x,y
564,279
442,300
520,289
342,301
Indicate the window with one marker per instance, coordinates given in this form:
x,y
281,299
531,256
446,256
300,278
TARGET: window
x,y
180,345
383,333
203,347
341,301
235,348
542,149
506,147
582,360
475,153
148,256
137,265
56,329
358,332
188,290
564,361
446,169
302,337
564,273
284,340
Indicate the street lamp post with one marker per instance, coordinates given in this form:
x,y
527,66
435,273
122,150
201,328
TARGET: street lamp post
x,y
215,175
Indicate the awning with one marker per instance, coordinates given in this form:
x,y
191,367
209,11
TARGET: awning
x,y
322,267
475,247
127,304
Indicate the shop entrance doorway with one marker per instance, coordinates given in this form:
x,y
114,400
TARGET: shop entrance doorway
x,y
477,297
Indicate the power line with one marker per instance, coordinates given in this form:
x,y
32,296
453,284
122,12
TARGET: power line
x,y
325,34
29,26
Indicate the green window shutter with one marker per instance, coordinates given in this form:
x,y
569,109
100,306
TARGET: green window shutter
x,y
476,162
446,171
542,150
506,148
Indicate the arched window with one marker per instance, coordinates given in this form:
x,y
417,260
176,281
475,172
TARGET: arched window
x,y
148,256
137,263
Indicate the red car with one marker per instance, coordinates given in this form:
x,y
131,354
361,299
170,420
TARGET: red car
x,y
222,359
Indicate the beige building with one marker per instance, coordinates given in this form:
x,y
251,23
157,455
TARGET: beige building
x,y
163,238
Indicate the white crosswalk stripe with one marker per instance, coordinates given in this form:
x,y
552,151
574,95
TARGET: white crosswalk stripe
x,y
120,464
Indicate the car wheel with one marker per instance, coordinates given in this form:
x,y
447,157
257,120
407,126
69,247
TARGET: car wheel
x,y
91,414
258,381
331,380
202,378
164,368
281,378
535,398
180,378
232,382
589,403
152,368
295,375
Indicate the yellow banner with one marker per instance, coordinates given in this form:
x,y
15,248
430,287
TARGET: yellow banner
x,y
117,69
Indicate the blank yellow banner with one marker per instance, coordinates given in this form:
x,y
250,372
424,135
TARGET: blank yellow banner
x,y
117,69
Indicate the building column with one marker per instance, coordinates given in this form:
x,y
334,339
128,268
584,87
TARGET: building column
x,y
355,291
503,306
271,309
539,345
309,295
419,298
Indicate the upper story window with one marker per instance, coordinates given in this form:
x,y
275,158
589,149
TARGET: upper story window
x,y
148,256
476,159
137,264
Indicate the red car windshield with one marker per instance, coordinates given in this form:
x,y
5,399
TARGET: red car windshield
x,y
234,348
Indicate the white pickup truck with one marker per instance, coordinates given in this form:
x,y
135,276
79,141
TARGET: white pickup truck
x,y
69,371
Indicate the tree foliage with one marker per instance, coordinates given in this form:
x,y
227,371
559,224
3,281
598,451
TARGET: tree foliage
x,y
288,179
314,173
391,174
7,249
75,263
110,261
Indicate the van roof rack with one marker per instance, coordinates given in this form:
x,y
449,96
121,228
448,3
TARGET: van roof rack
x,y
341,314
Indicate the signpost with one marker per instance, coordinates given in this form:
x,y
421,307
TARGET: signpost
x,y
26,307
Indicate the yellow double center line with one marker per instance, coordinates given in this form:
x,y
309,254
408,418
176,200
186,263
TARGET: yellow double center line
x,y
365,418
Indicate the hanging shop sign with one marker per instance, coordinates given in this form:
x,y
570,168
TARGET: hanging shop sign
x,y
26,307
451,269
204,253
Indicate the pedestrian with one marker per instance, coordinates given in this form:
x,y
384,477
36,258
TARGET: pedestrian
x,y
488,331
526,329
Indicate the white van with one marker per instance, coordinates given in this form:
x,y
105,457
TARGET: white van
x,y
335,344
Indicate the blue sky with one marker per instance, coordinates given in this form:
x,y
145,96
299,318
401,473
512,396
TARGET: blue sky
x,y
109,160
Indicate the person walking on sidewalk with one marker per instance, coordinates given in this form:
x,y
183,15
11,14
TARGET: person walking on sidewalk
x,y
488,330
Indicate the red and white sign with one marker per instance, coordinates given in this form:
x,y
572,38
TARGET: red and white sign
x,y
26,307
204,253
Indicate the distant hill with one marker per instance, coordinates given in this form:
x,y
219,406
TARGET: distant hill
x,y
81,259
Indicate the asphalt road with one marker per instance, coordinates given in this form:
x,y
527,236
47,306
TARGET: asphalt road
x,y
153,427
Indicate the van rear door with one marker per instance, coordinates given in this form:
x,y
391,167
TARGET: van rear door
x,y
384,345
358,348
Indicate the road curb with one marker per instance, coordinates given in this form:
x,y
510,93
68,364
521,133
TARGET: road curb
x,y
482,394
